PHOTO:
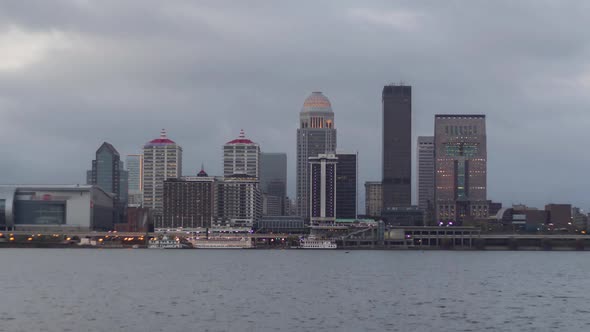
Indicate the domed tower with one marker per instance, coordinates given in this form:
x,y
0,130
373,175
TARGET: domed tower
x,y
316,135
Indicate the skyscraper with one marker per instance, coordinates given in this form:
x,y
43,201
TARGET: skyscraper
x,y
397,146
323,172
109,174
241,156
134,164
425,181
461,167
273,182
346,186
316,135
162,160
373,198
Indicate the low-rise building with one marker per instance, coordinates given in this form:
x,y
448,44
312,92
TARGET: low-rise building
x,y
55,207
281,224
403,216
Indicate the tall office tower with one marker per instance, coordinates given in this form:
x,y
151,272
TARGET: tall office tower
x,y
425,181
461,167
346,186
373,198
238,201
273,183
189,203
241,156
322,197
162,160
108,173
134,163
316,135
397,146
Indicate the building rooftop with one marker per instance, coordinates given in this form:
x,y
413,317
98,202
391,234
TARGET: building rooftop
x,y
317,102
162,140
241,139
62,187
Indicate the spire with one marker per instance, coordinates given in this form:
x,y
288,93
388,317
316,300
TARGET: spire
x,y
242,134
163,133
202,173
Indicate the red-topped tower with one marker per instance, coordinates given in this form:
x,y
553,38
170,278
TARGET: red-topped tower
x,y
241,156
162,161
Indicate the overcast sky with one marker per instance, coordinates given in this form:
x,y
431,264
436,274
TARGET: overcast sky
x,y
76,73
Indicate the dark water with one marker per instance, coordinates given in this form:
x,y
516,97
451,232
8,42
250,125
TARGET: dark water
x,y
282,290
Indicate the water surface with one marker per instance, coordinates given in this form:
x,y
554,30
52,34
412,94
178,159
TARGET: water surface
x,y
292,290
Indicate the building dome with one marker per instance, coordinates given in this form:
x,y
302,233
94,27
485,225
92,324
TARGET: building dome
x,y
162,140
317,102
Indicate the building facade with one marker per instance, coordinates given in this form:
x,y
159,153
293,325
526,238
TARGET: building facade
x,y
560,215
397,146
189,203
346,186
56,208
461,168
373,198
162,160
281,224
241,156
273,183
322,198
425,180
134,164
109,174
238,201
316,135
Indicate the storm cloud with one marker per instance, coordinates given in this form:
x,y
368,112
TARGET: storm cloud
x,y
76,73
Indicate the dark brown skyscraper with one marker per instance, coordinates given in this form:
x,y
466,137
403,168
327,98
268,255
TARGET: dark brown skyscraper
x,y
397,146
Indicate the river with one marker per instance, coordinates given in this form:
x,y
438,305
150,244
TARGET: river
x,y
292,290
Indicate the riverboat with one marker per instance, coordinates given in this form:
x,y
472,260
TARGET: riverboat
x,y
165,243
312,243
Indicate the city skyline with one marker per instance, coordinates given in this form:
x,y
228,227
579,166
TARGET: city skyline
x,y
170,79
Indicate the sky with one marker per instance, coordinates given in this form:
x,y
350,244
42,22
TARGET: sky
x,y
75,73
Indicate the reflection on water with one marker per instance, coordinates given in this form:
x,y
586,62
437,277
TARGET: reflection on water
x,y
290,290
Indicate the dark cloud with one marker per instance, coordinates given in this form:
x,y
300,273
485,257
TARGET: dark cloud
x,y
76,73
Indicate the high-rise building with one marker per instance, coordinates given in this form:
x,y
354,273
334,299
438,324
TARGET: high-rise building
x,y
373,198
425,181
108,173
134,163
322,197
397,146
189,203
273,183
241,156
238,201
316,135
346,186
162,160
460,168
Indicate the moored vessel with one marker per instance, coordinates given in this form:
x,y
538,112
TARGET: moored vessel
x,y
166,243
313,243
